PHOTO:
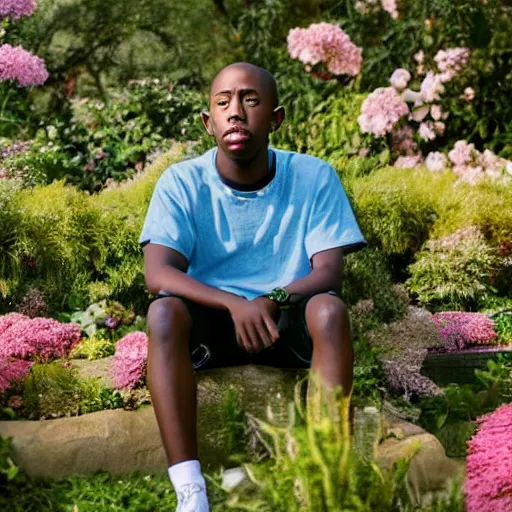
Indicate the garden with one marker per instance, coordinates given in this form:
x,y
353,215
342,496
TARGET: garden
x,y
408,100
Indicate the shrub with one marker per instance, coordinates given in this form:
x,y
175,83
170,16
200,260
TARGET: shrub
x,y
129,367
51,390
454,272
366,276
36,338
404,345
488,483
93,348
12,370
461,330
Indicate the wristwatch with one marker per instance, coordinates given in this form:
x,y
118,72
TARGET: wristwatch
x,y
279,296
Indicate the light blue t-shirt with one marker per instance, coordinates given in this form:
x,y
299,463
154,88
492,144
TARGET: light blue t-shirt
x,y
248,243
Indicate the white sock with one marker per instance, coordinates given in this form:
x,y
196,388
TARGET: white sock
x,y
187,472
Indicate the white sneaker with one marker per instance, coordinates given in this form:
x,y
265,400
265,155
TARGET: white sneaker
x,y
192,498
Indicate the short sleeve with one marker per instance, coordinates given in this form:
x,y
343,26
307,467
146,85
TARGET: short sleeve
x,y
331,222
169,220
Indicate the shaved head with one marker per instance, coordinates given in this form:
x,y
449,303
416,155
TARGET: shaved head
x,y
267,81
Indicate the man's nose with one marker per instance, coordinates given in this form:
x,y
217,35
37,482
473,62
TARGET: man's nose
x,y
236,111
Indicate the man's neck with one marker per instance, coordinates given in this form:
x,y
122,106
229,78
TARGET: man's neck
x,y
243,172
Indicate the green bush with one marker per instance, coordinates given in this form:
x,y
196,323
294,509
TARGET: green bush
x,y
93,348
367,276
455,272
51,390
77,248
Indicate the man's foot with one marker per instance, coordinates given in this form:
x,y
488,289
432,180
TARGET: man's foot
x,y
192,498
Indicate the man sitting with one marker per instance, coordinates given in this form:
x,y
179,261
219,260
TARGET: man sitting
x,y
243,246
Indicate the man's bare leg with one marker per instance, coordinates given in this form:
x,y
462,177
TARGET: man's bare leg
x,y
170,378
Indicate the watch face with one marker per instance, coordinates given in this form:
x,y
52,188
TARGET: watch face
x,y
281,296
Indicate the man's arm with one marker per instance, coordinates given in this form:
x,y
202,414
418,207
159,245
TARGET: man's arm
x,y
325,274
165,270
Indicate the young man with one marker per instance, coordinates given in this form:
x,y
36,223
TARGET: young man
x,y
243,247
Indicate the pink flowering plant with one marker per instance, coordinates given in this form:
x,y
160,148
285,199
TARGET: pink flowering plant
x,y
130,359
327,49
488,485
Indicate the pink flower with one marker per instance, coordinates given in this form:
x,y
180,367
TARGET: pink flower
x,y
400,78
11,370
469,94
30,338
426,131
129,367
390,7
381,110
488,485
460,330
431,87
419,57
18,64
435,112
407,162
15,9
436,161
327,43
402,140
462,153
451,62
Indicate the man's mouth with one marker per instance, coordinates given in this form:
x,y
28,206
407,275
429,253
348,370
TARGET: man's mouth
x,y
236,135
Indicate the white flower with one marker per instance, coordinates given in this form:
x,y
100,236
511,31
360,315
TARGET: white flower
x,y
426,131
419,112
435,112
469,94
436,161
419,57
431,87
400,78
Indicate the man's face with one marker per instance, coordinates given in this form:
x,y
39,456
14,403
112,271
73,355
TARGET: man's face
x,y
241,112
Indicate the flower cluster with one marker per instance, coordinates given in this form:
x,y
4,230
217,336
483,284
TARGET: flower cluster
x,y
381,110
18,64
15,9
488,485
404,346
12,370
371,6
451,62
33,304
327,43
129,367
459,330
36,338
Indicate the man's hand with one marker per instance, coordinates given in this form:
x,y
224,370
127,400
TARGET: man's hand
x,y
255,323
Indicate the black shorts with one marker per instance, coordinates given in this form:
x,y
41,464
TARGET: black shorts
x,y
213,339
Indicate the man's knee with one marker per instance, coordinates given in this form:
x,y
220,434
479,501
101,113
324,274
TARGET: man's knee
x,y
168,320
325,312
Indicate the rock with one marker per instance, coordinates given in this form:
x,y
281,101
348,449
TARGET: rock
x,y
125,441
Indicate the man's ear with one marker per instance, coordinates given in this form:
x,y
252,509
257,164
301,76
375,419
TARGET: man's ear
x,y
277,118
205,117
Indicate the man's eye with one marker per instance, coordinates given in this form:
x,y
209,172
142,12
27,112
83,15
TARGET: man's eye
x,y
221,103
252,100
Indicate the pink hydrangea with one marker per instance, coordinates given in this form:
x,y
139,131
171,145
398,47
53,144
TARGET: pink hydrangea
x,y
408,162
36,338
426,131
451,62
488,485
381,110
129,367
462,153
327,43
402,140
18,64
460,330
400,78
431,88
15,9
436,161
11,370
